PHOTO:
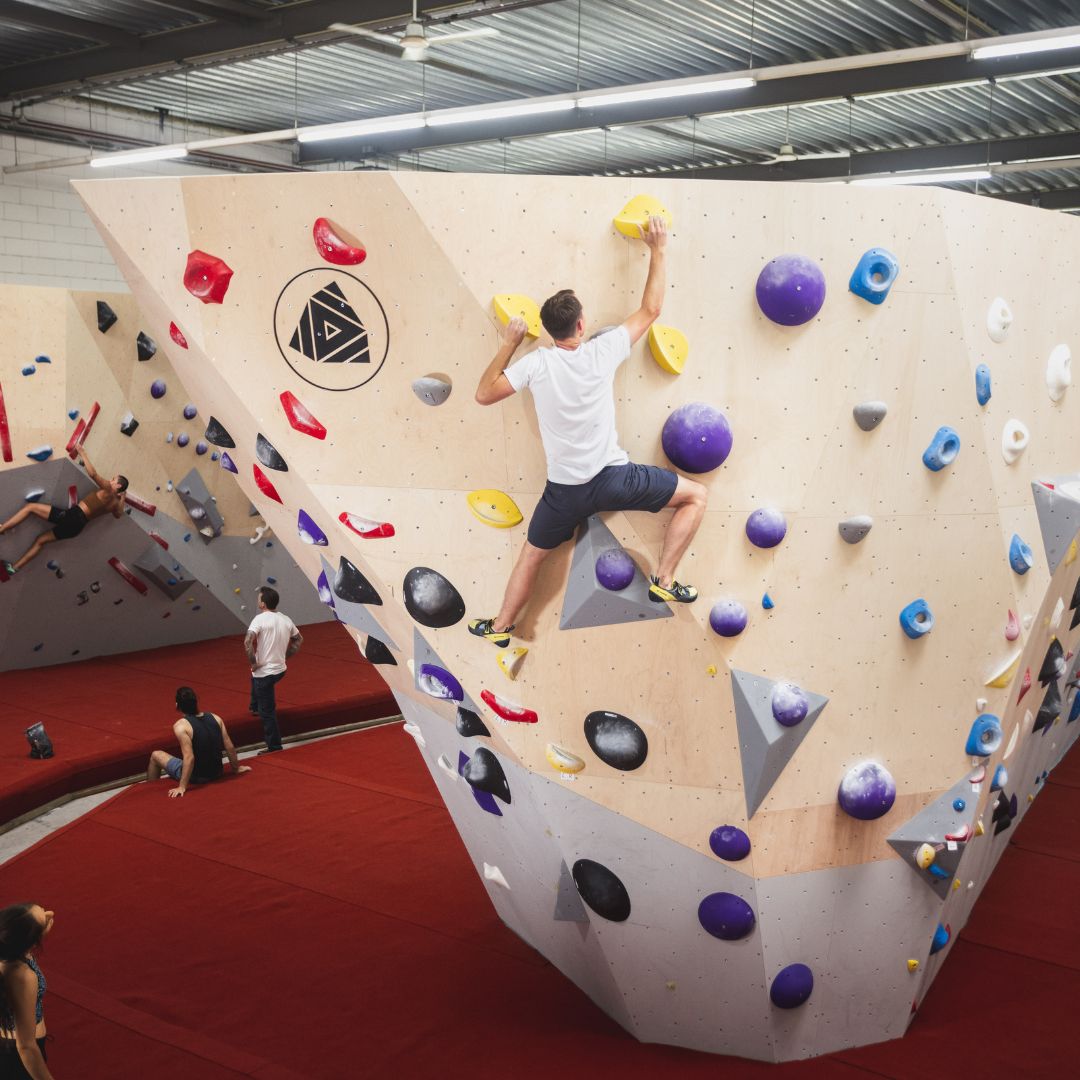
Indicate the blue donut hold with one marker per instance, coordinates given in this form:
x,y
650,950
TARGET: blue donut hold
x,y
943,448
917,620
985,736
982,384
874,275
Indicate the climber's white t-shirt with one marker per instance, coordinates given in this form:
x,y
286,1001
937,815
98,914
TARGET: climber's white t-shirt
x,y
575,404
274,630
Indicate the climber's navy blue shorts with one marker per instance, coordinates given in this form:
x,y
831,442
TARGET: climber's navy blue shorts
x,y
563,507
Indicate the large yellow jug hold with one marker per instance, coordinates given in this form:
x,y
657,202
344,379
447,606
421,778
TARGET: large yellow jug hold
x,y
562,759
669,348
637,212
494,508
507,305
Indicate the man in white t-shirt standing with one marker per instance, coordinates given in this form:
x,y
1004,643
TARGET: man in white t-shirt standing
x,y
270,640
588,471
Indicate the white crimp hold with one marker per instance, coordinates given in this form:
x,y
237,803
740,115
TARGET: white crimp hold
x,y
493,873
415,732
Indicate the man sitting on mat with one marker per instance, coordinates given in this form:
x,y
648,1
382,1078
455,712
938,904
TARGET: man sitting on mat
x,y
203,738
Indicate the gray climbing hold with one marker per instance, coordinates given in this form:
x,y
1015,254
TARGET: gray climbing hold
x,y
200,506
568,903
854,529
587,603
868,414
431,391
161,569
1058,507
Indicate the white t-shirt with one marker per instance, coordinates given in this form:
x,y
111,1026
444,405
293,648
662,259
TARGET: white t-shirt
x,y
274,630
575,404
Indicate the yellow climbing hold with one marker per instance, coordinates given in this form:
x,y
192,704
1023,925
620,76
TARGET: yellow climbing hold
x,y
1004,675
637,212
955,883
510,660
711,669
1070,555
507,305
979,829
924,856
913,965
669,348
494,508
562,760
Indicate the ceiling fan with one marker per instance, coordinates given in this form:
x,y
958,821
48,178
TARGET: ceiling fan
x,y
414,42
786,152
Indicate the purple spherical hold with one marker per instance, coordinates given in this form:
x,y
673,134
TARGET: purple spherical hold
x,y
614,569
201,448
157,388
190,412
729,842
790,289
765,528
183,439
728,618
792,986
789,704
867,791
726,916
696,437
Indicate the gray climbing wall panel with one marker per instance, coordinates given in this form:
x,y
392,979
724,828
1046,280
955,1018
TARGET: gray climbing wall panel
x,y
1058,508
200,505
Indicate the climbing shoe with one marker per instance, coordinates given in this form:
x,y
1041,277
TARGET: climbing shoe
x,y
673,594
482,628
11,571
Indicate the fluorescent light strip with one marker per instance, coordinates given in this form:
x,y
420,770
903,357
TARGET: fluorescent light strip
x,y
1021,48
500,111
137,157
375,126
923,178
657,93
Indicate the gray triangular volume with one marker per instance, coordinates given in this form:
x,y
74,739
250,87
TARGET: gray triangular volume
x,y
1058,508
568,903
357,616
587,603
765,745
423,653
932,825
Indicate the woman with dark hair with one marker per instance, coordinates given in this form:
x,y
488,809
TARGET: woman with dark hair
x,y
22,1024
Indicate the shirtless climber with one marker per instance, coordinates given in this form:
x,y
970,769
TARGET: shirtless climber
x,y
67,524
588,471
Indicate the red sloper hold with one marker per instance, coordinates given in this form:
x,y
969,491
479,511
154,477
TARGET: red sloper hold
x,y
133,500
5,434
91,417
159,539
73,442
299,416
516,713
207,277
128,576
365,527
264,485
177,336
335,245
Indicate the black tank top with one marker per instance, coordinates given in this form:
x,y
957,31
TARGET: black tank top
x,y
207,743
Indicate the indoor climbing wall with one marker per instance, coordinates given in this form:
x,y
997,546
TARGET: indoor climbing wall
x,y
81,369
751,825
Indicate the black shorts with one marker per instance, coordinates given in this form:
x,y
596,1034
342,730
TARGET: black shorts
x,y
563,507
67,523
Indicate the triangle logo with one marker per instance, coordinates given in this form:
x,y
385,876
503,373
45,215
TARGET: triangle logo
x,y
329,331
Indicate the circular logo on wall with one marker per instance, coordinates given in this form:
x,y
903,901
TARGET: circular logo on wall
x,y
331,329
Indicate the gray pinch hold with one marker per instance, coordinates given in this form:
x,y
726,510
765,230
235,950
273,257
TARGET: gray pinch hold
x,y
854,529
431,391
868,414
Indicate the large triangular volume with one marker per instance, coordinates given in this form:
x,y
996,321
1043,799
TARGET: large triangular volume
x,y
945,829
357,615
587,603
1057,502
766,745
423,653
568,904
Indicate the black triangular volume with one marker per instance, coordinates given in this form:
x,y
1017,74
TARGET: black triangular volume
x,y
1075,620
469,724
106,317
145,346
377,653
1003,816
216,434
1075,602
266,453
483,772
351,586
1053,665
1049,710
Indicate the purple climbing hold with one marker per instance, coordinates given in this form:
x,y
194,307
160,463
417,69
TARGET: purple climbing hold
x,y
729,842
201,448
790,289
792,986
190,412
765,528
325,594
227,462
789,704
182,439
614,569
728,618
439,683
867,791
309,532
215,456
157,388
726,916
696,437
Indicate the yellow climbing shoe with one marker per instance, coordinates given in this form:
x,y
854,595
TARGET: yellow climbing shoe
x,y
483,628
673,594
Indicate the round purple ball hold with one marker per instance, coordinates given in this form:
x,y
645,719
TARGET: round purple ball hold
x,y
867,791
696,438
792,986
765,528
183,439
190,412
790,289
614,569
789,704
201,448
157,388
728,618
726,916
729,842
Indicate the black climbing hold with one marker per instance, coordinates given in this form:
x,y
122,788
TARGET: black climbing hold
x,y
616,740
430,598
375,652
1049,710
268,455
350,585
128,425
1004,812
469,724
1053,665
145,345
106,317
216,434
483,772
601,890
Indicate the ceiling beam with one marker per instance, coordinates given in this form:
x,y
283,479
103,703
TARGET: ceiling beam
x,y
11,11
230,10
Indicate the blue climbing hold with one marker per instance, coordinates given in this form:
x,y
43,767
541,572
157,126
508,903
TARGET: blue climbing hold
x,y
874,275
1021,558
34,495
917,620
271,581
982,384
52,564
767,602
41,453
985,736
941,939
1001,778
214,456
187,537
943,448
28,369
959,805
792,986
42,360
726,916
729,842
1074,712
201,448
73,414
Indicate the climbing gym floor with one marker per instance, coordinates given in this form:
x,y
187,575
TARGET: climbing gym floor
x,y
320,918
105,715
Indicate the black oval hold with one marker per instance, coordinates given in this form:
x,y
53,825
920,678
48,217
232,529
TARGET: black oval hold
x,y
268,455
483,772
431,599
469,724
350,585
1053,665
216,434
375,652
145,346
616,740
601,890
106,317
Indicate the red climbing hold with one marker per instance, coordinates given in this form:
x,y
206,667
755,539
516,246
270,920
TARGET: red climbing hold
x,y
1025,685
177,336
133,500
73,495
207,277
73,442
507,711
159,539
365,527
335,245
264,485
5,434
299,416
138,585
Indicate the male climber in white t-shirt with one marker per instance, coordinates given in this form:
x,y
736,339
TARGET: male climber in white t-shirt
x,y
270,640
588,471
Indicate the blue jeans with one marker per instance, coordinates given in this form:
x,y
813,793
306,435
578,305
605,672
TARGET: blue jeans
x,y
262,697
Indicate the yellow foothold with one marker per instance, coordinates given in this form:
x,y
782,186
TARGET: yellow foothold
x,y
1070,555
637,212
669,348
670,985
1031,798
979,829
1004,675
711,669
507,305
913,965
924,856
561,759
237,591
955,884
510,660
494,508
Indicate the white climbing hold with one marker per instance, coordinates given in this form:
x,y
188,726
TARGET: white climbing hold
x,y
260,532
446,766
998,319
1059,610
415,732
1059,372
411,666
1015,735
1014,439
493,873
980,704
